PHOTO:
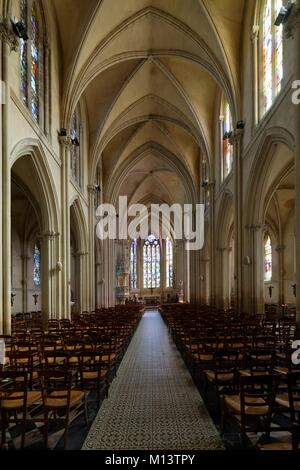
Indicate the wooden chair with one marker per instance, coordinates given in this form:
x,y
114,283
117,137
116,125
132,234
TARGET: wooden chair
x,y
291,399
255,399
15,399
94,371
224,375
59,398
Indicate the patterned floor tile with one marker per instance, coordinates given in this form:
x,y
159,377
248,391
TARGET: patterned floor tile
x,y
153,402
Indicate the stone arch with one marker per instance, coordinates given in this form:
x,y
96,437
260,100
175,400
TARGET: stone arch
x,y
30,168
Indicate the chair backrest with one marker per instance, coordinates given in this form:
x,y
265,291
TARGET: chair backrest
x,y
293,380
258,392
56,387
13,389
261,360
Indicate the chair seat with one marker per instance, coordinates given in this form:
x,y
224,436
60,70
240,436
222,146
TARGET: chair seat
x,y
106,358
255,373
93,375
53,400
281,356
277,446
234,403
16,400
221,376
283,400
35,376
281,370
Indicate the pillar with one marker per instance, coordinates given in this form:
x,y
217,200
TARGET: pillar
x,y
292,33
236,141
8,43
65,146
92,259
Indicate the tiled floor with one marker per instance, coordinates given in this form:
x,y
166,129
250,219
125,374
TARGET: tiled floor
x,y
153,403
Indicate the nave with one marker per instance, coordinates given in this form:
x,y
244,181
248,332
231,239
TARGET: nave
x,y
153,403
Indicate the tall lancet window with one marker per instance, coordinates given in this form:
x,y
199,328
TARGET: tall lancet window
x,y
226,146
151,262
75,161
32,58
37,265
169,263
267,258
271,54
133,264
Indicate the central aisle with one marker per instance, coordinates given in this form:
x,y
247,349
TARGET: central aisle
x,y
153,403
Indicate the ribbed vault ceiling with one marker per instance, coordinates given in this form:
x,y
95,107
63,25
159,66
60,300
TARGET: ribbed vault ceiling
x,y
150,73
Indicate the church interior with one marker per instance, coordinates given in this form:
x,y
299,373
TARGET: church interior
x,y
139,343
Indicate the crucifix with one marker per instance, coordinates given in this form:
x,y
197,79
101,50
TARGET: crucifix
x,y
270,288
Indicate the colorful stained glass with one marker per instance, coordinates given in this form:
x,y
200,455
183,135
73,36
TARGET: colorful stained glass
x,y
268,259
151,263
23,56
133,264
169,263
278,51
36,265
267,56
272,53
226,129
34,66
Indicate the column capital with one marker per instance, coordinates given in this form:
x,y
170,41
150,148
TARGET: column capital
x,y
65,141
236,136
48,235
7,35
91,189
293,20
280,248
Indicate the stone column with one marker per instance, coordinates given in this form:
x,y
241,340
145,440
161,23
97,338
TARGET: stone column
x,y
8,43
92,297
280,251
212,254
25,260
80,281
292,33
236,141
65,146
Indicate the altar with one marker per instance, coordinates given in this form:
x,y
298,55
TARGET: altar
x,y
151,299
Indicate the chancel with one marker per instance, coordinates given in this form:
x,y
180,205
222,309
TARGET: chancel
x,y
165,103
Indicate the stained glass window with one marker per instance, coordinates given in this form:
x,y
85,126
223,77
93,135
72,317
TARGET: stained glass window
x,y
226,130
133,265
31,58
37,265
268,259
272,53
278,51
151,263
23,56
34,64
169,263
75,149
